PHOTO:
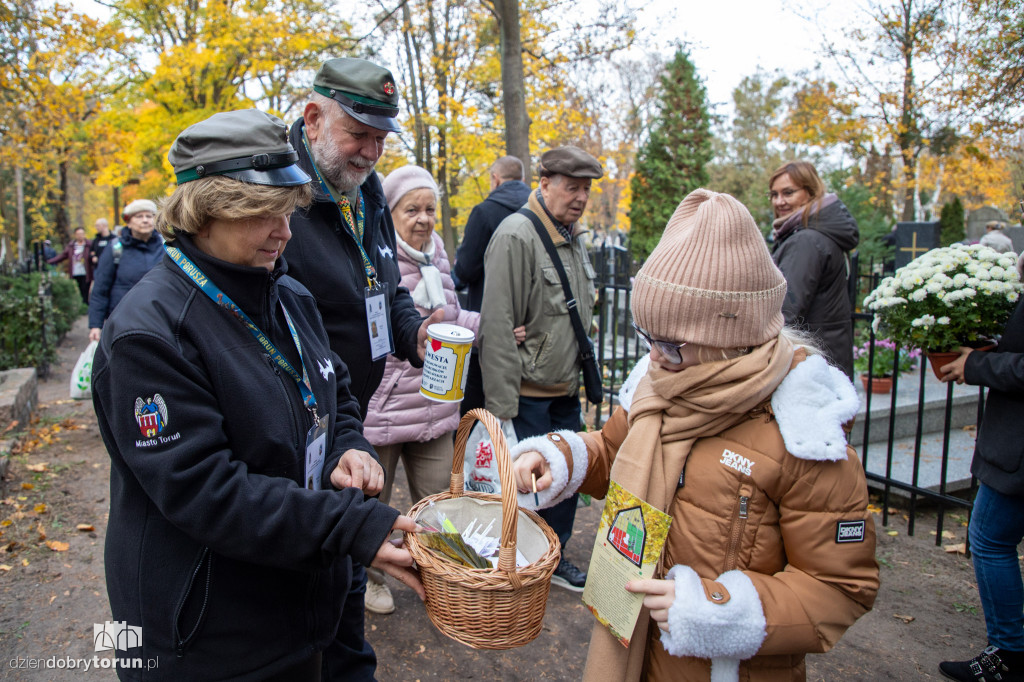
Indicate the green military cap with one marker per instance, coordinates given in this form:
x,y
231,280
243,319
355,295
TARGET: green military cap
x,y
570,161
364,90
247,145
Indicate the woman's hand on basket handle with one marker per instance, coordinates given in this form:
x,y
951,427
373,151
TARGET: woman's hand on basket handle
x,y
394,559
528,464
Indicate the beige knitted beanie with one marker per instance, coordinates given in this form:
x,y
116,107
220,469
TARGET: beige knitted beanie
x,y
710,280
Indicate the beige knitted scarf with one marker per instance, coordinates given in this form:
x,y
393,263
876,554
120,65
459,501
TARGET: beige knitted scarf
x,y
671,410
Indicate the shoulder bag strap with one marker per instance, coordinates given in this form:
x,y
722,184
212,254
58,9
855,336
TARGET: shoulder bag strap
x,y
582,340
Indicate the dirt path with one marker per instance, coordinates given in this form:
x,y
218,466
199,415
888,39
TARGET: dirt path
x,y
51,595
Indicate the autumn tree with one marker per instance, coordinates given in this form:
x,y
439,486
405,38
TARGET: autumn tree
x,y
57,69
909,106
513,80
995,50
673,161
447,56
210,56
748,148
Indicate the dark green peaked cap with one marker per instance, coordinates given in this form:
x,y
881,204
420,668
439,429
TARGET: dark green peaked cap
x,y
364,90
247,145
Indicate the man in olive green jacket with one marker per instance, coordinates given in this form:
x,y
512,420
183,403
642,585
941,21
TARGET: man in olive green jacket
x,y
536,384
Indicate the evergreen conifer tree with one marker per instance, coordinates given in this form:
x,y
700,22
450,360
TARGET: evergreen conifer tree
x,y
671,164
951,222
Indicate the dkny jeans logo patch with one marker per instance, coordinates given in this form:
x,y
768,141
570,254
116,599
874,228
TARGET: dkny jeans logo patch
x,y
850,531
736,461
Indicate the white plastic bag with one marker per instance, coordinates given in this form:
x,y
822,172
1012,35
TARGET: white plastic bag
x,y
479,465
81,376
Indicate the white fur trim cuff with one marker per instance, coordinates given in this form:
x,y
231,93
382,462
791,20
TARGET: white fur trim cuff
x,y
628,387
705,629
562,487
811,405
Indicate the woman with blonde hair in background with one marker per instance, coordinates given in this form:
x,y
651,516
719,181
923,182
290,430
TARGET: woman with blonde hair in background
x,y
813,233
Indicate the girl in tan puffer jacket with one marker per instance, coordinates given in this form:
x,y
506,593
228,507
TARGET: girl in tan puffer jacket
x,y
736,431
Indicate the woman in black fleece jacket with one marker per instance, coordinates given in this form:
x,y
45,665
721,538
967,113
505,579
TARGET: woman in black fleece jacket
x,y
239,471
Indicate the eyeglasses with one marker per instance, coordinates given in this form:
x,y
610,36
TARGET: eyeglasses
x,y
786,193
670,351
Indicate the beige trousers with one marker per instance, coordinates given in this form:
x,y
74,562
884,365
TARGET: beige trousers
x,y
428,468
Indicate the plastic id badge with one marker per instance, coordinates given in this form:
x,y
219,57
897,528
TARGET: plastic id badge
x,y
316,445
378,321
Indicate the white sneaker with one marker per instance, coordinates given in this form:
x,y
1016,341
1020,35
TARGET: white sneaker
x,y
378,598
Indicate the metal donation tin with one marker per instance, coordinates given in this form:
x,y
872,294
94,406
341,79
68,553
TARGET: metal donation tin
x,y
446,364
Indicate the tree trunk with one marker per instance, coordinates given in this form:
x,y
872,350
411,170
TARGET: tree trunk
x,y
62,224
420,151
908,132
19,188
513,86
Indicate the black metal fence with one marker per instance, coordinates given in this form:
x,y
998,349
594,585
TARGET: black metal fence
x,y
894,464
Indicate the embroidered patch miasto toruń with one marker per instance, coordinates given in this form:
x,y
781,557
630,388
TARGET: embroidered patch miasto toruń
x,y
850,531
151,416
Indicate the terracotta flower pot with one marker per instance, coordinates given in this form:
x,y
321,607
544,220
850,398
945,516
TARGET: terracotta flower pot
x,y
877,384
940,359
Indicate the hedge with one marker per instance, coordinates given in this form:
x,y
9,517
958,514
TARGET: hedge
x,y
23,314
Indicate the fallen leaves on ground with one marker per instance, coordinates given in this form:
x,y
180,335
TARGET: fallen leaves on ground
x,y
58,546
959,548
39,436
85,527
905,619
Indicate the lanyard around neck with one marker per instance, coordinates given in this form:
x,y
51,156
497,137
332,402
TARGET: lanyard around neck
x,y
355,225
220,298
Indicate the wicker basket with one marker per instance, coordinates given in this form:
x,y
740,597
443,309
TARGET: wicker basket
x,y
488,608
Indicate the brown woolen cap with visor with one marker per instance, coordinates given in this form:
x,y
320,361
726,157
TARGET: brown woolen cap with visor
x,y
247,145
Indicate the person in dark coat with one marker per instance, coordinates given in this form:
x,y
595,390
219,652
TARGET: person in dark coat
x,y
997,519
508,194
813,233
101,240
124,262
343,250
78,254
239,473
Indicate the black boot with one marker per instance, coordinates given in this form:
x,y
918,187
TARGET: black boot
x,y
991,665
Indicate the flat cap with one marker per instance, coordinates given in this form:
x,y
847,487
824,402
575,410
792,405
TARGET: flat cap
x,y
248,145
364,90
570,161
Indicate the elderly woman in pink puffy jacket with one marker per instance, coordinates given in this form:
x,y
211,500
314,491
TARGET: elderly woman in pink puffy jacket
x,y
401,423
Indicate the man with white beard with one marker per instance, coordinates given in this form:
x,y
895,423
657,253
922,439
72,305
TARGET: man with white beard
x,y
343,250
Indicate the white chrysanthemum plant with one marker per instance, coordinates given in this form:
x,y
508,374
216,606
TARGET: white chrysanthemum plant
x,y
949,297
